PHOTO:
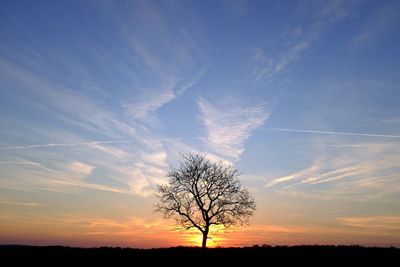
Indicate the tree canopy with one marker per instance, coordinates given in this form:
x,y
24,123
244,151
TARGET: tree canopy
x,y
201,193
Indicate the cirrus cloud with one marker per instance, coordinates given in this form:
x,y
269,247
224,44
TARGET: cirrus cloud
x,y
229,124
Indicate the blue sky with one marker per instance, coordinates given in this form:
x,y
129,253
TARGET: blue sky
x,y
98,98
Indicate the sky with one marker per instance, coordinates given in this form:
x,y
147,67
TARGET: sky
x,y
98,98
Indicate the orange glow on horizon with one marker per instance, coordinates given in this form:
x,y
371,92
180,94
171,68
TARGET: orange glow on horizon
x,y
216,238
196,239
91,231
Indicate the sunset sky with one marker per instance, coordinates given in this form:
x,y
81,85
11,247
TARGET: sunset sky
x,y
98,98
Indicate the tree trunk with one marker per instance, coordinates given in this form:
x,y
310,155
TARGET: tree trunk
x,y
205,236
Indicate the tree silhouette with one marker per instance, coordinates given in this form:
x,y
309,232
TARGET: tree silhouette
x,y
201,194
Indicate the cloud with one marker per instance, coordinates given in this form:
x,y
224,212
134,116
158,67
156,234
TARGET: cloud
x,y
126,174
82,113
357,173
346,172
268,66
147,102
65,170
295,176
81,167
19,162
64,179
112,151
157,158
177,147
373,223
65,144
333,133
24,204
146,75
168,68
382,20
360,146
69,105
294,41
142,177
333,10
229,125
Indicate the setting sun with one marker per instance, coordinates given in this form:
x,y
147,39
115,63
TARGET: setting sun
x,y
219,237
195,239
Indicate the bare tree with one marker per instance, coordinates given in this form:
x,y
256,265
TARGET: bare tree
x,y
201,193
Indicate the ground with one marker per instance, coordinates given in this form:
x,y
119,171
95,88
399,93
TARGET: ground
x,y
185,256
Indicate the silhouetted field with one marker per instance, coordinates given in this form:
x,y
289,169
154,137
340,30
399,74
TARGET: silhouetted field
x,y
185,256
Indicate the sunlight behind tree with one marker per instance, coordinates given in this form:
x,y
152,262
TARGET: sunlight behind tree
x,y
204,196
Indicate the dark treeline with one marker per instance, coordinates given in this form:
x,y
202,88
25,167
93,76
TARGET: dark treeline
x,y
185,256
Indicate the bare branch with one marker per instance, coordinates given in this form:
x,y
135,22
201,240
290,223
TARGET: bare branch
x,y
202,193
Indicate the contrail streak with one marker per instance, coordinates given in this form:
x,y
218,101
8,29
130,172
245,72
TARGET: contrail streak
x,y
333,133
19,162
68,144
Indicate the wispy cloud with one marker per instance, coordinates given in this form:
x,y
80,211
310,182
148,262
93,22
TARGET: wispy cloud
x,y
19,162
68,172
268,66
169,68
340,173
142,177
60,181
61,145
17,203
145,105
333,133
345,172
149,102
157,158
229,125
145,74
112,151
83,113
81,167
373,223
71,106
381,20
295,176
298,39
